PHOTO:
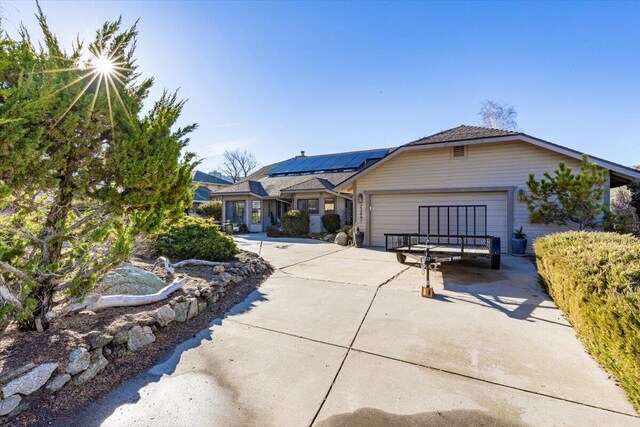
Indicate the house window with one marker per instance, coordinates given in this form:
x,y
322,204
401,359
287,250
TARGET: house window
x,y
311,205
329,206
256,211
235,211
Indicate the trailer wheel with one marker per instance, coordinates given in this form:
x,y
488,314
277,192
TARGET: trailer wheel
x,y
401,258
495,261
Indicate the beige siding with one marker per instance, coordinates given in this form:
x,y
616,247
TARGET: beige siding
x,y
486,165
398,214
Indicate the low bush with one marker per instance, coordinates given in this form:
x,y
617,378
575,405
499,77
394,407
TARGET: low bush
x,y
195,238
211,209
274,231
296,223
331,222
594,277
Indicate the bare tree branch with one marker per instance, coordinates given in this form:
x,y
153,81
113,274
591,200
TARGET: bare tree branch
x,y
238,164
498,115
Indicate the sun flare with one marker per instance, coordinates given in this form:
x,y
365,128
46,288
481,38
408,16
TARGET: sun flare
x,y
103,65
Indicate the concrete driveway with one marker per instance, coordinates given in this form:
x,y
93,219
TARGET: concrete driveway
x,y
340,337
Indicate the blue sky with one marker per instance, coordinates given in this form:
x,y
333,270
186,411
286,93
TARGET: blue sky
x,y
276,78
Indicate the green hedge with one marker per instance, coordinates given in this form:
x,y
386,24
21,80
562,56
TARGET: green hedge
x,y
195,238
594,278
296,223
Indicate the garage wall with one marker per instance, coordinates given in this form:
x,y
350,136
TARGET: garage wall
x,y
397,213
485,165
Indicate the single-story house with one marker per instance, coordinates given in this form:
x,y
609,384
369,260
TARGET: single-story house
x,y
303,182
207,184
460,168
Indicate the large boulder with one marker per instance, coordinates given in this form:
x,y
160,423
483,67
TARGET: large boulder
x,y
129,280
31,381
342,239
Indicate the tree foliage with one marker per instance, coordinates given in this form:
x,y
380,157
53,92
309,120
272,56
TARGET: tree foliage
x,y
238,164
565,196
498,115
83,169
635,195
212,209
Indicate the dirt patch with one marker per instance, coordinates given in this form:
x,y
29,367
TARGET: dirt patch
x,y
17,347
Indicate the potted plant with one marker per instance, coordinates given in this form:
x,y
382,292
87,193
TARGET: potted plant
x,y
359,237
519,242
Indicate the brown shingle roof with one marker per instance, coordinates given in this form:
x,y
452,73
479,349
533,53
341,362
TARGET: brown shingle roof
x,y
311,184
463,133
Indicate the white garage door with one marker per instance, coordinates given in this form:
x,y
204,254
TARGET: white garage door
x,y
398,213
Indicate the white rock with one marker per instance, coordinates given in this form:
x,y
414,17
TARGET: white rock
x,y
164,315
31,381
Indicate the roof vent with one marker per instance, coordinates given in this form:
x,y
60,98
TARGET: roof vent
x,y
301,153
459,151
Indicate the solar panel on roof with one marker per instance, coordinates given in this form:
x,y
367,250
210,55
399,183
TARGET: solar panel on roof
x,y
326,162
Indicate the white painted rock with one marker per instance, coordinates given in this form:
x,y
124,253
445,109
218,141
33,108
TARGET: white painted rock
x,y
31,381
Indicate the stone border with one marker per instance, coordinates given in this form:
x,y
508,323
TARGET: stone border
x,y
124,336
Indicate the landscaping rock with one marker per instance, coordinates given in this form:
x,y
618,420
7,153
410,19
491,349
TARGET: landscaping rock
x,y
129,280
94,369
181,309
202,306
31,381
9,404
342,239
79,360
193,309
98,339
164,315
139,336
58,382
121,337
219,269
5,378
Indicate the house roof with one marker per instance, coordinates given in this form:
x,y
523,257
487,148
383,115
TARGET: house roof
x,y
311,184
200,176
468,135
463,133
202,194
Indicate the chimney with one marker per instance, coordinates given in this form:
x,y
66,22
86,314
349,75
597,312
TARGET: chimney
x,y
302,153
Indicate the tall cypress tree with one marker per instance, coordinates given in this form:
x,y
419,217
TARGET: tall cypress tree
x,y
83,170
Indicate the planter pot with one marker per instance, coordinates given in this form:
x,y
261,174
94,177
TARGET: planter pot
x,y
359,239
228,228
518,246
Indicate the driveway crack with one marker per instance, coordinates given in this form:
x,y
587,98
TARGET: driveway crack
x,y
353,340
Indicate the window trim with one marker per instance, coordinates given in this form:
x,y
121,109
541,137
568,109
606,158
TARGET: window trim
x,y
333,203
317,209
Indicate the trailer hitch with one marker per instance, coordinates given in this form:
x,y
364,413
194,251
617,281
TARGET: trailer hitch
x,y
429,263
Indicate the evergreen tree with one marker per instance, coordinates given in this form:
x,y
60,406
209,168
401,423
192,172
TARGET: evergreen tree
x,y
83,169
635,195
566,196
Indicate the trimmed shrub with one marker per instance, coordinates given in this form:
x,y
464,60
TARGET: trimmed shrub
x,y
296,223
594,278
195,238
331,222
211,209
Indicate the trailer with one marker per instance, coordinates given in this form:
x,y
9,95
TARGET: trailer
x,y
446,233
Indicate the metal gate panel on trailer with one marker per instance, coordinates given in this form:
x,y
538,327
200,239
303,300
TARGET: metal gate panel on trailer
x,y
398,213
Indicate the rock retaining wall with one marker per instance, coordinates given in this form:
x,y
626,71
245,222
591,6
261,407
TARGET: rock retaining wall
x,y
124,336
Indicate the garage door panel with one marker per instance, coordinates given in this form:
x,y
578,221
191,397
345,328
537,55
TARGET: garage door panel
x,y
398,213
